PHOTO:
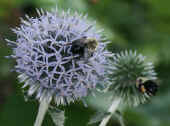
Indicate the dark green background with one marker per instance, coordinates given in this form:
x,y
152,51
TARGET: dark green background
x,y
142,25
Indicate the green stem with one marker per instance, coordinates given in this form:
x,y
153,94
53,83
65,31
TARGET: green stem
x,y
43,107
111,110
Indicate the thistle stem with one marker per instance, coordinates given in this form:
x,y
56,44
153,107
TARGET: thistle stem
x,y
111,110
43,107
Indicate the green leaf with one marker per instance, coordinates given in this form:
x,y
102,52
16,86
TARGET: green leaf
x,y
57,116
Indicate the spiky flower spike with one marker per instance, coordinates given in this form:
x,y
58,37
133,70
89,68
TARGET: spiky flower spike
x,y
52,59
127,68
132,81
60,58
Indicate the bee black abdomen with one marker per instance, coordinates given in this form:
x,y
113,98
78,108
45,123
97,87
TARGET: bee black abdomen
x,y
151,87
77,49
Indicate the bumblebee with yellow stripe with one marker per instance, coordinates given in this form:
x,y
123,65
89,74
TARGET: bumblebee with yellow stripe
x,y
147,86
85,47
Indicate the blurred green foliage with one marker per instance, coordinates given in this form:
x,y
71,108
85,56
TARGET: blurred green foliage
x,y
143,25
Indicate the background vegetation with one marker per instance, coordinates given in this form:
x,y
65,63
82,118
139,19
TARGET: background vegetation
x,y
143,25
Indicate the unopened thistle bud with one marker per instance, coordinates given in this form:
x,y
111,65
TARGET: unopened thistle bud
x,y
59,57
132,78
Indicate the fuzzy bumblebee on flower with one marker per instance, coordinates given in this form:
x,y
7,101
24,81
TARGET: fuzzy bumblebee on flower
x,y
59,57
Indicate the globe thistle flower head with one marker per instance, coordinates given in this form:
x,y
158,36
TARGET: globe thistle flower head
x,y
127,68
49,63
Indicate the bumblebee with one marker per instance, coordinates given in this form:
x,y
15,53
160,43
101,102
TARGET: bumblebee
x,y
147,86
85,47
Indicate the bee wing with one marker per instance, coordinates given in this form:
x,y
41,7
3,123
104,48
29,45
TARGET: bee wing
x,y
86,53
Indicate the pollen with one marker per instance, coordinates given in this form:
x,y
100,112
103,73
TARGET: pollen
x,y
143,90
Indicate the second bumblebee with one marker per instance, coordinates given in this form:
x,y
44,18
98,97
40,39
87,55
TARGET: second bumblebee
x,y
147,86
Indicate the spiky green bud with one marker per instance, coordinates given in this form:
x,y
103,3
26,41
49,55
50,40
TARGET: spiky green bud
x,y
127,67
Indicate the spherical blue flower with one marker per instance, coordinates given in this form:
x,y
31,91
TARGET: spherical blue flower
x,y
45,59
